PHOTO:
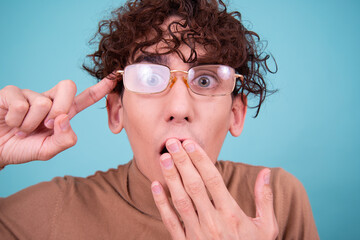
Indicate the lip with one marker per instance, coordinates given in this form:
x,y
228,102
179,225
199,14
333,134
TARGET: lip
x,y
163,149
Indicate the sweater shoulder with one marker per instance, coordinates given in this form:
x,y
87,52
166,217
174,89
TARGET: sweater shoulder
x,y
249,173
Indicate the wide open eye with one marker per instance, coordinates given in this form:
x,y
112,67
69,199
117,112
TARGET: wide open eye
x,y
152,80
146,78
211,80
204,81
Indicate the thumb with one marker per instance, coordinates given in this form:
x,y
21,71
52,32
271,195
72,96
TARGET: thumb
x,y
264,196
264,201
63,138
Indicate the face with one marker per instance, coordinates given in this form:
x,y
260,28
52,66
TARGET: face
x,y
149,120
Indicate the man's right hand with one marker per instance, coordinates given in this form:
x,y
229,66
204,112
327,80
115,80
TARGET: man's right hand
x,y
36,126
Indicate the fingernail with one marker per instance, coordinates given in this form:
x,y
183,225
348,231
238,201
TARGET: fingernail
x,y
156,188
190,147
65,124
267,177
172,146
49,123
20,134
167,162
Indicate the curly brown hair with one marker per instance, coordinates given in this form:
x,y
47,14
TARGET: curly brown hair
x,y
137,26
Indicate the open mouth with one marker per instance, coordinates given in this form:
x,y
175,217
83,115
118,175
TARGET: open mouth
x,y
164,149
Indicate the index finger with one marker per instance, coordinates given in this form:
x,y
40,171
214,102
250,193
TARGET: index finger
x,y
209,173
92,95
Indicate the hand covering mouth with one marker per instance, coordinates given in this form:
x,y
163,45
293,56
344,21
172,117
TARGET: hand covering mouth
x,y
163,149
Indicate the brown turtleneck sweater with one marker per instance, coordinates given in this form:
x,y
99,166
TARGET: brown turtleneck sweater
x,y
118,204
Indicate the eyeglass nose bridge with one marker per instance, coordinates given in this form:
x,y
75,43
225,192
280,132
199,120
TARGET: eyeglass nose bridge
x,y
174,78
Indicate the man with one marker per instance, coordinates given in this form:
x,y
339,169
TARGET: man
x,y
177,75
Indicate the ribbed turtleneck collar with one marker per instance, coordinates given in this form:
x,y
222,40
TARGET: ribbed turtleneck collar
x,y
139,190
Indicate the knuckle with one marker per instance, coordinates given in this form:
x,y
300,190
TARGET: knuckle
x,y
9,121
70,142
10,88
76,106
20,106
73,140
57,111
268,194
180,159
27,127
161,201
214,181
234,221
183,204
43,102
194,188
67,142
170,223
170,175
199,158
68,83
93,95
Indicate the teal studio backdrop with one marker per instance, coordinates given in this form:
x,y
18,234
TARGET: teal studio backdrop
x,y
310,127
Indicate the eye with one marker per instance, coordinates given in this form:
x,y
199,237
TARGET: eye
x,y
205,81
152,80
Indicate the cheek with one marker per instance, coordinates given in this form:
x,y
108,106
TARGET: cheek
x,y
218,115
141,117
135,115
216,123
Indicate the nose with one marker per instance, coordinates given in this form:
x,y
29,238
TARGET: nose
x,y
179,105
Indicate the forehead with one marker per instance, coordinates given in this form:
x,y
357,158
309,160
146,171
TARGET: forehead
x,y
176,41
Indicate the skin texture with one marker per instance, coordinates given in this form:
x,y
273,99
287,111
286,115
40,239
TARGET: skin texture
x,y
149,120
181,119
36,126
189,173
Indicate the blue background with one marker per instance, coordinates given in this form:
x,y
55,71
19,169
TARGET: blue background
x,y
310,127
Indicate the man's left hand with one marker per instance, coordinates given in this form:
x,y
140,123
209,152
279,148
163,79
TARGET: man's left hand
x,y
200,217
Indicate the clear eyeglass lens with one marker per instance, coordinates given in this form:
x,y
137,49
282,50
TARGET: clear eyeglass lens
x,y
211,79
203,79
146,78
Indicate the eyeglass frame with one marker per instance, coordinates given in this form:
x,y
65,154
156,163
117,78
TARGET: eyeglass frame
x,y
185,80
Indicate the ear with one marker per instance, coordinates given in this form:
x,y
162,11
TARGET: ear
x,y
115,112
238,113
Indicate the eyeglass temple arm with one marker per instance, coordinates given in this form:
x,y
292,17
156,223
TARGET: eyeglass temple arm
x,y
239,76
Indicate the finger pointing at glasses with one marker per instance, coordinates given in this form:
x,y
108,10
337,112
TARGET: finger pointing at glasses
x,y
35,126
189,174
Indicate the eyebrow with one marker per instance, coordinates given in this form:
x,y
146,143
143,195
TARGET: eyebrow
x,y
163,60
156,59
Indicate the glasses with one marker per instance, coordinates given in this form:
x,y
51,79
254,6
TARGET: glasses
x,y
206,80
